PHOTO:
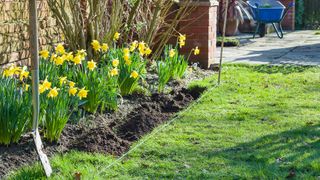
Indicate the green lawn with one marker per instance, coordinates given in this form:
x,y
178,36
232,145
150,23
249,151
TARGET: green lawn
x,y
261,123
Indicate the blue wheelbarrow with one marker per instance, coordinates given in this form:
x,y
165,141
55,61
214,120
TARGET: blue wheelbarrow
x,y
272,12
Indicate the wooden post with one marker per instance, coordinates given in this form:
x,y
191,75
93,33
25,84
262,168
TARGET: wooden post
x,y
34,50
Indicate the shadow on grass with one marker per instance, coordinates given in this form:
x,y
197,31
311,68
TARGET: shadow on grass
x,y
287,153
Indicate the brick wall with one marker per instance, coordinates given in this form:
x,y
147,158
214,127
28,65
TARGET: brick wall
x,y
289,21
200,28
14,44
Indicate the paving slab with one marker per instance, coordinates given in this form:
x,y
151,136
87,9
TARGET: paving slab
x,y
297,47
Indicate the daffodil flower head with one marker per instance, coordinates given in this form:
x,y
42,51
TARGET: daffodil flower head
x,y
172,53
126,56
114,72
134,74
73,91
71,84
115,63
62,80
82,93
91,65
196,51
133,46
116,36
148,51
44,54
24,74
69,56
59,60
46,84
105,47
53,93
77,59
42,89
81,53
26,87
60,49
95,45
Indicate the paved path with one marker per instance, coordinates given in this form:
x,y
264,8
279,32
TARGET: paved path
x,y
299,47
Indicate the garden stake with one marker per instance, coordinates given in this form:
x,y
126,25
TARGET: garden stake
x,y
34,48
222,41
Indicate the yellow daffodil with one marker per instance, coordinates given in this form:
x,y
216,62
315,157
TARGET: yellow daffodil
x,y
172,53
142,47
134,74
128,62
42,89
77,59
182,37
115,63
114,72
82,93
44,54
105,47
53,57
81,53
46,84
73,91
69,56
133,46
91,65
126,57
148,51
59,61
182,43
116,36
53,93
126,51
60,49
24,74
196,51
96,45
8,73
16,70
71,84
26,87
62,80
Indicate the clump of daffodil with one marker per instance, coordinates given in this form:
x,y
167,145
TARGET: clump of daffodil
x,y
95,45
115,63
105,47
11,71
91,65
73,91
182,40
60,49
114,72
134,74
44,54
172,53
196,51
82,93
116,36
53,93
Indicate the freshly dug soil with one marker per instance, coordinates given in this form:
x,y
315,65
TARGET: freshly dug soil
x,y
111,133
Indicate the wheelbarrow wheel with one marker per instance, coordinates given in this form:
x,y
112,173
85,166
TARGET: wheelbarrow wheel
x,y
262,30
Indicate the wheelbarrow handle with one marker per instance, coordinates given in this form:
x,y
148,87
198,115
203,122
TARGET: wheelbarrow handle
x,y
291,5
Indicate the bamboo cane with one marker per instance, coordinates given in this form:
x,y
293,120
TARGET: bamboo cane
x,y
34,49
223,37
